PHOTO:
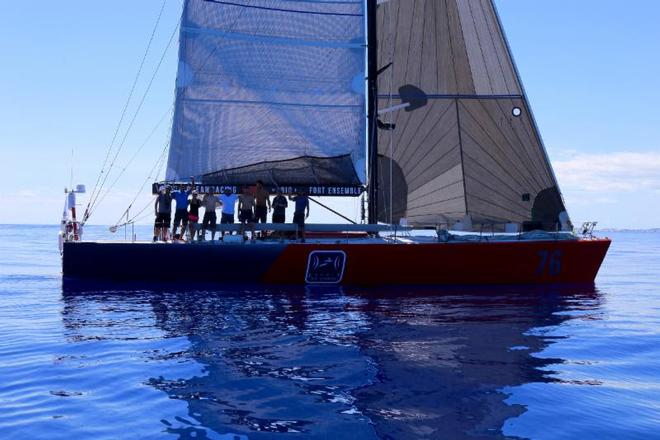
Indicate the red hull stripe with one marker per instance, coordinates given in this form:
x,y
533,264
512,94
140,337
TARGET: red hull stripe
x,y
520,262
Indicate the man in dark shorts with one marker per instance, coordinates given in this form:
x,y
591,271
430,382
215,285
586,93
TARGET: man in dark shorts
x,y
301,213
228,200
181,213
262,206
246,210
193,215
163,211
210,219
279,207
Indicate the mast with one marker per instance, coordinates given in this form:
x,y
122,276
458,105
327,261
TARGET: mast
x,y
372,100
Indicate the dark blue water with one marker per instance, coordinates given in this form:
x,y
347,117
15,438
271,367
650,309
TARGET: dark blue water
x,y
342,363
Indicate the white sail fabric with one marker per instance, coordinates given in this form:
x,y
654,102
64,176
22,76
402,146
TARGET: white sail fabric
x,y
471,151
270,90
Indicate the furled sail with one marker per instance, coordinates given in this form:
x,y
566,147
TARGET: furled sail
x,y
460,143
270,90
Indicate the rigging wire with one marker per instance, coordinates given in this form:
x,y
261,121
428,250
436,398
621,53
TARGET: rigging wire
x,y
160,162
93,203
114,182
155,170
392,117
123,112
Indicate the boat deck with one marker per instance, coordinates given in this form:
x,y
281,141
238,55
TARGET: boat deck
x,y
277,234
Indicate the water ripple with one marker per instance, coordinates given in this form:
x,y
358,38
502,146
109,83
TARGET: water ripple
x,y
111,361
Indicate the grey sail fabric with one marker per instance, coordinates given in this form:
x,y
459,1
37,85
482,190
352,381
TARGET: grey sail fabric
x,y
270,90
471,152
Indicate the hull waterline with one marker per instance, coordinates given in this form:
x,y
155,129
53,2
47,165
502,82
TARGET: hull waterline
x,y
472,263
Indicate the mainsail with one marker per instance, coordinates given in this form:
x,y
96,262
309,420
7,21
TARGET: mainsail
x,y
468,150
270,90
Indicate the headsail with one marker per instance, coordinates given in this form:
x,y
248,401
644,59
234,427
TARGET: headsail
x,y
270,90
471,152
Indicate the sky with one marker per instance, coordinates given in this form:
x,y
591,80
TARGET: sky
x,y
590,69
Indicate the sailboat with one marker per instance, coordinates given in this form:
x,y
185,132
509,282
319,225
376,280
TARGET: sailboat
x,y
416,106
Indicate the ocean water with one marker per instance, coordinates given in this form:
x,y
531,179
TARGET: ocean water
x,y
251,362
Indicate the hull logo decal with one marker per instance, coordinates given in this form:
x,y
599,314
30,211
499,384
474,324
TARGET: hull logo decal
x,y
325,267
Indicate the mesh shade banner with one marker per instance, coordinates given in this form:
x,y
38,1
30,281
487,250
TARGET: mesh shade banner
x,y
262,82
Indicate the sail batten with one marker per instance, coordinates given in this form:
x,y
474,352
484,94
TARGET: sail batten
x,y
465,149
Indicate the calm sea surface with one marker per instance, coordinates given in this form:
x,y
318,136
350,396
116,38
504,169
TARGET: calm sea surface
x,y
340,363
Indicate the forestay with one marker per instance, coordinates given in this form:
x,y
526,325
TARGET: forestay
x,y
270,90
468,149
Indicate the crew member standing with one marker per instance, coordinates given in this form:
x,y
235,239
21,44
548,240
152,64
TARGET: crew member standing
x,y
210,202
181,212
279,207
193,215
301,213
262,207
228,200
163,211
246,210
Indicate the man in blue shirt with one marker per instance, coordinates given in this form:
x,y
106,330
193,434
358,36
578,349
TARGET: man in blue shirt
x,y
301,213
181,213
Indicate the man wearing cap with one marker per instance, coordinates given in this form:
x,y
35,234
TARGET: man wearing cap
x,y
163,211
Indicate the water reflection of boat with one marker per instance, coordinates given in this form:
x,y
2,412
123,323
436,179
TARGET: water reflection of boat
x,y
354,363
444,361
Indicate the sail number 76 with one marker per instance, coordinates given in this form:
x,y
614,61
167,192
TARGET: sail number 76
x,y
549,263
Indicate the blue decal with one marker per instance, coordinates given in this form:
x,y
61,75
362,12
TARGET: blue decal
x,y
550,263
325,267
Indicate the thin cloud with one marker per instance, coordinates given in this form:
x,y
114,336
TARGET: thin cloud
x,y
612,172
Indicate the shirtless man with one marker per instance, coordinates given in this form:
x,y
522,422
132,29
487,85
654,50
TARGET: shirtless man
x,y
210,202
262,207
246,204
